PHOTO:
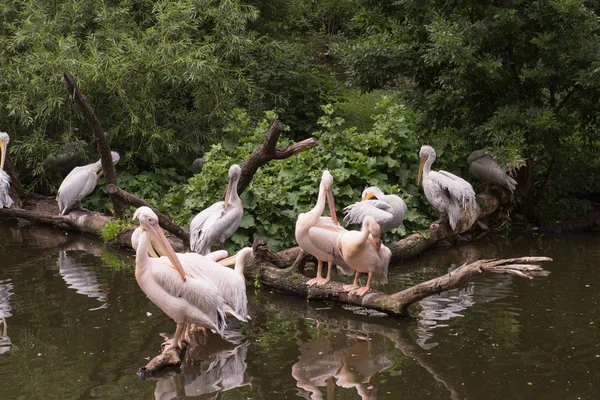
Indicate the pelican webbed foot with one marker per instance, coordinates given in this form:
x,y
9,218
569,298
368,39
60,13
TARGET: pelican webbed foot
x,y
350,288
315,281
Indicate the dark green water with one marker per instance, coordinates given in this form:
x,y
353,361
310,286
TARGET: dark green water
x,y
80,328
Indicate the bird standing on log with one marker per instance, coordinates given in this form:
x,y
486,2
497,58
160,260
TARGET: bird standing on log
x,y
80,182
318,235
5,200
445,191
218,222
483,166
185,299
388,210
363,252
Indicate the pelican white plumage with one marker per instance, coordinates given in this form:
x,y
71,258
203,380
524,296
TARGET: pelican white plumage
x,y
318,235
185,299
80,182
218,222
445,191
230,282
388,210
363,252
483,166
5,199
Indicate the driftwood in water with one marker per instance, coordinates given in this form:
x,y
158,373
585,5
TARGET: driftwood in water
x,y
110,176
290,281
267,152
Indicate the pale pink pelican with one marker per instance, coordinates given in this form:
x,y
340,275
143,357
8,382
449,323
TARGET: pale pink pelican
x,y
5,199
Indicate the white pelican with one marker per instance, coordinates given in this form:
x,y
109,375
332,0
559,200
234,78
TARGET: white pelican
x,y
483,166
185,299
364,253
318,235
80,182
388,210
230,282
445,191
218,222
5,200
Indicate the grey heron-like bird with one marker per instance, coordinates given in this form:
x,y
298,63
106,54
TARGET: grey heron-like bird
x,y
445,191
483,166
185,299
5,199
317,235
388,210
80,182
218,222
363,252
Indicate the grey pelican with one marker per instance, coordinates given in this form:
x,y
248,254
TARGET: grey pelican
x,y
318,235
445,191
483,166
388,210
363,252
185,299
5,200
80,182
218,222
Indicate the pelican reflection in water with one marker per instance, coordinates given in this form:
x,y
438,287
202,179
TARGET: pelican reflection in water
x,y
80,276
348,359
5,309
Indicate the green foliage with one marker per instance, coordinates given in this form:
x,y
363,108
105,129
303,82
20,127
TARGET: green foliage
x,y
110,231
518,77
385,156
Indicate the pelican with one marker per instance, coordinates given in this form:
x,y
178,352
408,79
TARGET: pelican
x,y
219,221
388,210
318,235
185,299
483,166
80,182
5,200
364,253
230,282
445,191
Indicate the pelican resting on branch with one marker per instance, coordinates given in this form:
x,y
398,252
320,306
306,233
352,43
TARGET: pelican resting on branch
x,y
80,182
5,199
363,252
218,222
483,166
185,299
318,235
388,210
445,191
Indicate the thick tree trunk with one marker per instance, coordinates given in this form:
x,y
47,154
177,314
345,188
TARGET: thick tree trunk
x,y
110,176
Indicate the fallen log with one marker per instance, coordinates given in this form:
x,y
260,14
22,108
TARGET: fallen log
x,y
290,281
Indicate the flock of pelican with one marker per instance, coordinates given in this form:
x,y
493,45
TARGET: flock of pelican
x,y
198,290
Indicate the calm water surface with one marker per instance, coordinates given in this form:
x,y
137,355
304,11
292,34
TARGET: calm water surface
x,y
78,327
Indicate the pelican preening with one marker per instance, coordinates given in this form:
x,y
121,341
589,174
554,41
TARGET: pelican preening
x,y
5,200
388,210
445,191
318,235
483,166
364,253
218,222
80,182
185,299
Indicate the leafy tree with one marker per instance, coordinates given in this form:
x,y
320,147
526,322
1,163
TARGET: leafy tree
x,y
518,76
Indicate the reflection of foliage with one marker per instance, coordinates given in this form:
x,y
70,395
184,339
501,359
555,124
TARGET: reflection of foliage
x,y
111,260
386,156
110,231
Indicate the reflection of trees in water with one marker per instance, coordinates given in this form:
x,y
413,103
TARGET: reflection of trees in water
x,y
81,277
218,365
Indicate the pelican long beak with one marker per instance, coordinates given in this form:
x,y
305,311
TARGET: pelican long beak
x,y
4,328
99,174
2,150
162,246
423,160
227,196
368,196
331,203
229,261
